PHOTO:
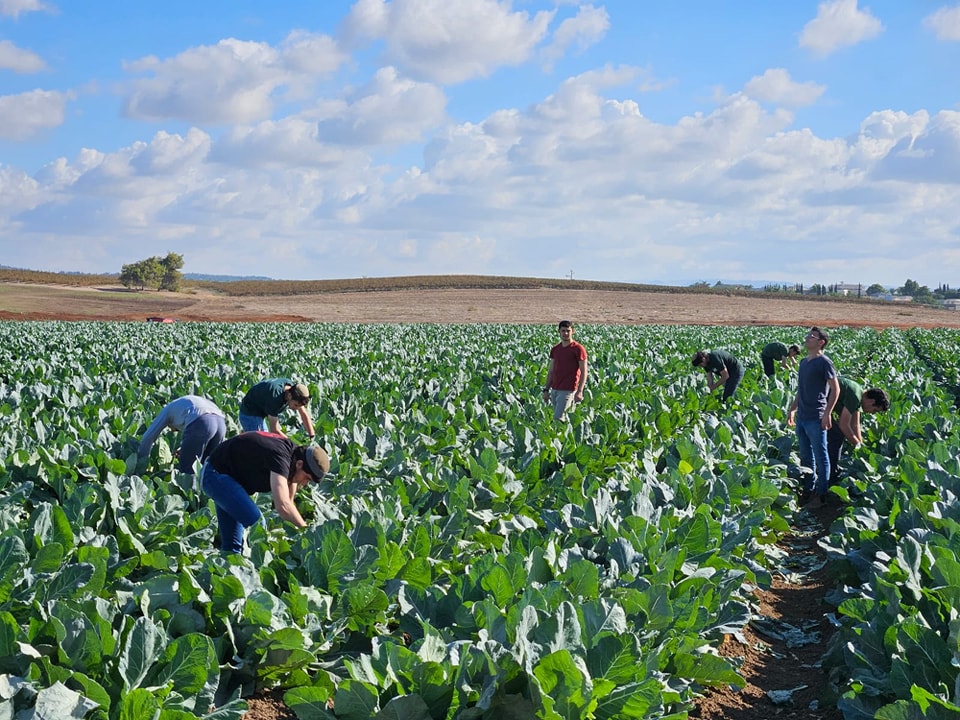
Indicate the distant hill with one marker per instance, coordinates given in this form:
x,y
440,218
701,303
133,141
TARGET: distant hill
x,y
225,278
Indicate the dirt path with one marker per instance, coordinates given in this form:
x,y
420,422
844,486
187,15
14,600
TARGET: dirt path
x,y
780,650
546,305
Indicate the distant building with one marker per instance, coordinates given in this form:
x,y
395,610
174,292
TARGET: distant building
x,y
952,304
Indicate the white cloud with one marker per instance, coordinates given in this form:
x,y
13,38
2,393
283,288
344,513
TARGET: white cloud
x,y
448,42
289,143
13,8
18,59
29,113
838,24
944,23
777,87
233,81
389,110
585,29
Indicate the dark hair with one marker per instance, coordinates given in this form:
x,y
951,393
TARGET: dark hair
x,y
300,453
879,398
794,349
564,324
820,334
700,358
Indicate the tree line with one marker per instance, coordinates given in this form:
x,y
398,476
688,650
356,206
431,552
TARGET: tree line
x,y
155,273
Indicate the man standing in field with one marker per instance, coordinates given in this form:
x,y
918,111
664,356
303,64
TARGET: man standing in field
x,y
567,373
817,393
851,402
777,352
258,462
267,399
201,423
728,370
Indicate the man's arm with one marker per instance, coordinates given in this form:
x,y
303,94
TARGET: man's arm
x,y
855,426
282,492
721,379
273,425
153,432
846,426
307,421
549,383
578,396
792,410
833,394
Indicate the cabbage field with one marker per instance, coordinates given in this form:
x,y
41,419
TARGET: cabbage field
x,y
466,554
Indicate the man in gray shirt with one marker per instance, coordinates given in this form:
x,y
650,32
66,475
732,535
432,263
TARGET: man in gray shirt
x,y
200,421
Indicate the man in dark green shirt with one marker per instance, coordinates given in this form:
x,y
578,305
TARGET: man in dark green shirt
x,y
265,400
851,401
728,370
777,351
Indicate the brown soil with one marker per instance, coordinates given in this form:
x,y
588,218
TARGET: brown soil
x,y
20,301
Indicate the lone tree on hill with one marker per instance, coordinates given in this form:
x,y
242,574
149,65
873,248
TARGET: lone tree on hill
x,y
154,272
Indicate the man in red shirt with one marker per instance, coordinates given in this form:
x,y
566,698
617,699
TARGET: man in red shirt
x,y
567,373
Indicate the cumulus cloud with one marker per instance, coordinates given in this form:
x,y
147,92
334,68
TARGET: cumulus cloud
x,y
447,42
944,23
29,113
777,87
13,8
292,142
838,24
233,81
585,29
389,110
19,60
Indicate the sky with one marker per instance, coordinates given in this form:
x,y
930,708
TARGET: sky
x,y
633,140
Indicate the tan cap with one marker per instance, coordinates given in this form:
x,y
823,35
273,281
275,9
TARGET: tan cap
x,y
301,390
318,462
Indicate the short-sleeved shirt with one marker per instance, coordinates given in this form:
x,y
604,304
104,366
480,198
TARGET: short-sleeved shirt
x,y
718,360
775,351
265,398
812,379
566,365
850,395
250,457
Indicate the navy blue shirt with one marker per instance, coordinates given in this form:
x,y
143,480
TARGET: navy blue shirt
x,y
812,387
250,457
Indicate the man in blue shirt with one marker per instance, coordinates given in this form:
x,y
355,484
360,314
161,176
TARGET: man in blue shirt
x,y
817,393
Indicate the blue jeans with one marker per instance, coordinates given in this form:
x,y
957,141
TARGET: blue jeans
x,y
249,423
813,453
236,510
200,438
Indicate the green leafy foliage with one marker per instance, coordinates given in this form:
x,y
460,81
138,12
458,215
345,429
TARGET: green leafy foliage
x,y
466,553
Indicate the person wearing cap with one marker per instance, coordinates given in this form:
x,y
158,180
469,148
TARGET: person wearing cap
x,y
810,413
201,422
267,399
254,462
777,351
725,366
567,372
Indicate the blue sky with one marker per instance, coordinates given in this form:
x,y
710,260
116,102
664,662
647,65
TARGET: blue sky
x,y
631,140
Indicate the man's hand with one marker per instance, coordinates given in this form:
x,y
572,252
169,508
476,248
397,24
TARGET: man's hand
x,y
826,422
578,396
791,418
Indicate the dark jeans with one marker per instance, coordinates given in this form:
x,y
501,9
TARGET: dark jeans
x,y
813,453
236,510
835,438
200,438
769,365
730,386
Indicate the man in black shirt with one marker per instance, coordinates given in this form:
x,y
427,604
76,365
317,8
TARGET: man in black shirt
x,y
258,462
728,370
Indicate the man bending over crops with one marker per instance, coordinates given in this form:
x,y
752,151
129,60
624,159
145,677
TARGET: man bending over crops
x,y
777,351
851,402
267,399
817,393
201,423
567,372
258,462
723,365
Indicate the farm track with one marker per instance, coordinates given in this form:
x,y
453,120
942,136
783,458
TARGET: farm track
x,y
769,663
